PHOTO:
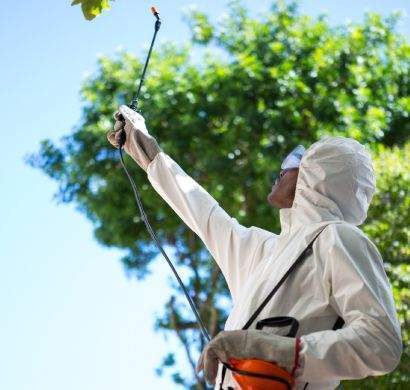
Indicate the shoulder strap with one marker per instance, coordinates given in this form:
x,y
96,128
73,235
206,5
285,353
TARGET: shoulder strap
x,y
307,251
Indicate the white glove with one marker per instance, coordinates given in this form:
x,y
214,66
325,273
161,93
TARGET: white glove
x,y
247,344
139,144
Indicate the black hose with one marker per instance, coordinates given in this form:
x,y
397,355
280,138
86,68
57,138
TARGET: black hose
x,y
161,249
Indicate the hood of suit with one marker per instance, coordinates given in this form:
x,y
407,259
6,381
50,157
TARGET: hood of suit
x,y
336,181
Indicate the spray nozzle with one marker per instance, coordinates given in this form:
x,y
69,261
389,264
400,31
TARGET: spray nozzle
x,y
156,14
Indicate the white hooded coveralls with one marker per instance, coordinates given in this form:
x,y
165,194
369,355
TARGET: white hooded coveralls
x,y
343,277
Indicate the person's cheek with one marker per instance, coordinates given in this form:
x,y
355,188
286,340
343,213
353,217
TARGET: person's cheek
x,y
287,187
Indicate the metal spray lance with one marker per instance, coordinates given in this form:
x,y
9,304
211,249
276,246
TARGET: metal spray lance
x,y
134,102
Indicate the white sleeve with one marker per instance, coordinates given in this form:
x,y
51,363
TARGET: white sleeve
x,y
370,342
235,248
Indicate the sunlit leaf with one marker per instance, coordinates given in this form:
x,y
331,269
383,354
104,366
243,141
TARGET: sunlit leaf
x,y
92,8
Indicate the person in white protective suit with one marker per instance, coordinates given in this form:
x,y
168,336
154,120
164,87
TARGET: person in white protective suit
x,y
329,186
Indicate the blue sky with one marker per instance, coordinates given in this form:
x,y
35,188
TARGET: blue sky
x,y
70,319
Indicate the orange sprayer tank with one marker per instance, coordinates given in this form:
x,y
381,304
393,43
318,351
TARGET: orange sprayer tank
x,y
276,377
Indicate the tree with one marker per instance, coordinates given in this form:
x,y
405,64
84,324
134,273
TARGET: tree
x,y
284,79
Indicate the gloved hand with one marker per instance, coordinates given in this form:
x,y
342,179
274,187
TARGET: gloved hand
x,y
247,344
139,144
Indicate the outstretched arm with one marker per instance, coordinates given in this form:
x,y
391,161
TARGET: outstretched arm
x,y
236,249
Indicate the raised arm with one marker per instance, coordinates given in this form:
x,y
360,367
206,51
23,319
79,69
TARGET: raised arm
x,y
370,342
235,248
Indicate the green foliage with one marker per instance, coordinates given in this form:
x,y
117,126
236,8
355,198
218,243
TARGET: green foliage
x,y
389,215
388,224
285,79
92,8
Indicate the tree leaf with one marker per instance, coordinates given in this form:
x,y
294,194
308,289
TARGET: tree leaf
x,y
92,8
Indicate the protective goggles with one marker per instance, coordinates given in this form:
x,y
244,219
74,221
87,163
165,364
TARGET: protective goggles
x,y
292,160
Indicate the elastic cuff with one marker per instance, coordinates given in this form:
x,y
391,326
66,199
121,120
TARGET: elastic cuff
x,y
298,347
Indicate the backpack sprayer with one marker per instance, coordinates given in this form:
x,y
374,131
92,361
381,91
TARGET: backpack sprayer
x,y
251,374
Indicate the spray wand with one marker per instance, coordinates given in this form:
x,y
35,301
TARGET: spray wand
x,y
134,102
